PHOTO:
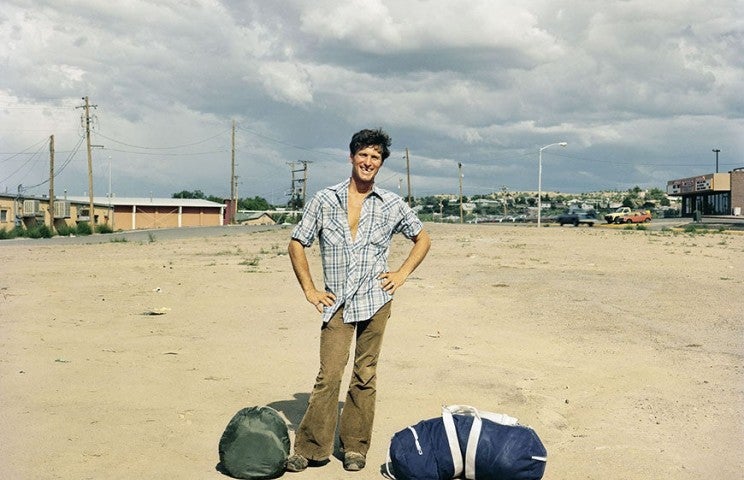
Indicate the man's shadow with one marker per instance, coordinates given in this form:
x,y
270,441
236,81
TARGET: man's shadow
x,y
293,410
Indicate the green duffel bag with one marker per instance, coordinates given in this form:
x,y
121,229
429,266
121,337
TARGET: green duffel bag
x,y
255,444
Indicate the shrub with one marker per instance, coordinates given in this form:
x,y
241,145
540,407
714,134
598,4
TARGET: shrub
x,y
671,213
65,230
39,231
14,232
83,228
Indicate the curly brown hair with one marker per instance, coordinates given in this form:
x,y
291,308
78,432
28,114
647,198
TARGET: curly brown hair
x,y
371,138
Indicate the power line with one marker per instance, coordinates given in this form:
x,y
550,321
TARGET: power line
x,y
70,157
33,158
161,154
162,148
59,170
627,163
286,144
13,155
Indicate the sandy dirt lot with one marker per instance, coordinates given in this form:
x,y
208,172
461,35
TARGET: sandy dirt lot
x,y
624,350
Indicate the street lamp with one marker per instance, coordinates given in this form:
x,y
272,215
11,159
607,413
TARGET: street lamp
x,y
539,179
110,209
716,151
459,167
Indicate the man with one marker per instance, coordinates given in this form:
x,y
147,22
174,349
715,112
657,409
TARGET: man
x,y
354,222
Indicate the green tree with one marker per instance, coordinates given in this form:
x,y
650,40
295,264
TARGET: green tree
x,y
197,194
186,194
255,203
656,194
295,202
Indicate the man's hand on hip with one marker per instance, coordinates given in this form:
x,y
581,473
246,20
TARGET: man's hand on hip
x,y
319,299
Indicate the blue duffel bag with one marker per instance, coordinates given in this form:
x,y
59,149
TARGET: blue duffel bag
x,y
467,443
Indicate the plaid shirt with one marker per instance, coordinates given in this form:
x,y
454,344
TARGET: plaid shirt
x,y
350,268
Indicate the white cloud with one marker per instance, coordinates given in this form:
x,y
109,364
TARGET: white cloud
x,y
365,24
286,82
483,82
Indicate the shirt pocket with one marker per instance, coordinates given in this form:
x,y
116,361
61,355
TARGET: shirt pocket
x,y
333,231
380,233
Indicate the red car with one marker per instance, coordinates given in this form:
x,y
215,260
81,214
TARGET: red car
x,y
635,217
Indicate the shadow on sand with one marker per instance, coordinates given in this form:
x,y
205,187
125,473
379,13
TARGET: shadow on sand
x,y
293,410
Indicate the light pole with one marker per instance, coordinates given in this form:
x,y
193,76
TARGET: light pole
x,y
539,179
110,212
716,151
459,167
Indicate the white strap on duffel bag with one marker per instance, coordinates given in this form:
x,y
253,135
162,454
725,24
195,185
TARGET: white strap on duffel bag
x,y
464,465
473,437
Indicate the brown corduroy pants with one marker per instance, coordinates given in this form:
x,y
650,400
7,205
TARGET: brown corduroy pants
x,y
314,437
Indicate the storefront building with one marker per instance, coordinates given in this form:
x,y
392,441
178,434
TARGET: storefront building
x,y
710,194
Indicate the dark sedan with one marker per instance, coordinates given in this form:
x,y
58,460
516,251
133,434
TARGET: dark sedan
x,y
577,217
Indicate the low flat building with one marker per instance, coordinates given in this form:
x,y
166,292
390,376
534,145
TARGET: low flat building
x,y
30,211
254,218
133,213
710,194
118,213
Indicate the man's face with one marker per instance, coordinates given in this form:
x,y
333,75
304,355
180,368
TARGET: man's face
x,y
365,164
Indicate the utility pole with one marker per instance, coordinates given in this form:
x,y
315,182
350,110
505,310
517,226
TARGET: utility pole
x,y
459,174
304,182
233,180
51,182
298,192
717,151
504,190
91,212
110,205
408,174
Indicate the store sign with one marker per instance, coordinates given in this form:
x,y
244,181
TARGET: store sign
x,y
690,185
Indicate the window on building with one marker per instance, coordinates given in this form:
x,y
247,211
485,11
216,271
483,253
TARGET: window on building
x,y
3,216
707,204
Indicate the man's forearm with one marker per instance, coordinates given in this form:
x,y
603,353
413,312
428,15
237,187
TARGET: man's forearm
x,y
300,266
421,245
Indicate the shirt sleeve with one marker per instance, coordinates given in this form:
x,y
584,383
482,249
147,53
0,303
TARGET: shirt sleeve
x,y
307,229
409,225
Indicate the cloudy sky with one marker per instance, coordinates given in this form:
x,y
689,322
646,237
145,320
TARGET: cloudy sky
x,y
642,91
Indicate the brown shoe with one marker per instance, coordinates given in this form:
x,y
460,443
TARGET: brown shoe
x,y
296,463
353,461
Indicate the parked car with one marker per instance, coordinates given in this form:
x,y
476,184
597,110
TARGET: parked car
x,y
577,217
639,216
620,212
